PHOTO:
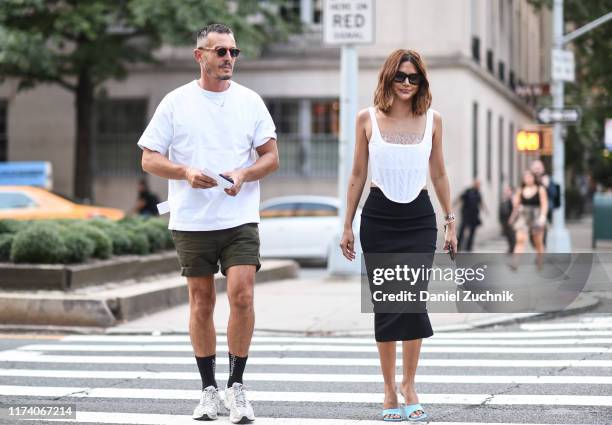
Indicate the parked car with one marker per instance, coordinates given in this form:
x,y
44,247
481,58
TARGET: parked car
x,y
35,203
300,227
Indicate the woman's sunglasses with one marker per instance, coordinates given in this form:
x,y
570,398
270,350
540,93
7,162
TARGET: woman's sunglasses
x,y
222,51
414,79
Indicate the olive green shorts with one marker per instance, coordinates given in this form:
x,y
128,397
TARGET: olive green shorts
x,y
199,252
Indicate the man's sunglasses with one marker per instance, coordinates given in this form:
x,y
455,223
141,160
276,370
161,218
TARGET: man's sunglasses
x,y
222,51
414,79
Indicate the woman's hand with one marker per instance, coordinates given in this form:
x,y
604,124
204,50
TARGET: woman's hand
x,y
347,244
450,238
542,220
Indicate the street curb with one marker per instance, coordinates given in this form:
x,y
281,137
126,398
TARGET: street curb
x,y
98,308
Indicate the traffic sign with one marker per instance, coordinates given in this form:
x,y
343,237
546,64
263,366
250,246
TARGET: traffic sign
x,y
570,115
563,67
348,22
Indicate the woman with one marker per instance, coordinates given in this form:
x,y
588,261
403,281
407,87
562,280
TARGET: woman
x,y
401,137
529,216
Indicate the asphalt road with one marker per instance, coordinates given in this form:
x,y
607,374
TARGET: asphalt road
x,y
557,371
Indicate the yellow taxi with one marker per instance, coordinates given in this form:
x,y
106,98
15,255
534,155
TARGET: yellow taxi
x,y
35,203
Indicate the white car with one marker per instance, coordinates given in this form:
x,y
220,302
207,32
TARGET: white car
x,y
301,227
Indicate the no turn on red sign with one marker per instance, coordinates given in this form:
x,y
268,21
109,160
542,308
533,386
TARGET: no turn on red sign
x,y
348,22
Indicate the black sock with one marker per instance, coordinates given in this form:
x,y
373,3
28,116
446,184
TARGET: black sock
x,y
206,366
236,369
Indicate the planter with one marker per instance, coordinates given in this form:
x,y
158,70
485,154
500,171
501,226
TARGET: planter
x,y
69,277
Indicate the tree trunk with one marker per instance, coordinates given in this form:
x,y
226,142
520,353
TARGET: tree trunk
x,y
83,175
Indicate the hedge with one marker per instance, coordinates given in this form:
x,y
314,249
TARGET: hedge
x,y
76,241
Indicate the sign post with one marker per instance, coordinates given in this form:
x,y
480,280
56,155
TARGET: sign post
x,y
346,23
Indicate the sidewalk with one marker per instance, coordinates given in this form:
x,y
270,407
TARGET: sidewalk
x,y
315,303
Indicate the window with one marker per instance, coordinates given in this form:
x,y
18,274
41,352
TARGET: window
x,y
475,140
501,70
490,65
13,200
119,124
306,11
3,131
476,49
325,131
512,80
279,210
489,144
315,209
308,132
511,155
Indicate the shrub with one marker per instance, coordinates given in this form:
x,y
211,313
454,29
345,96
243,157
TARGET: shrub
x,y
78,247
38,243
11,226
6,241
116,233
155,235
162,224
139,243
103,245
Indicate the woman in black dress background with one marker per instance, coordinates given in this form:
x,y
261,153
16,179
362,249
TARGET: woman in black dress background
x,y
401,139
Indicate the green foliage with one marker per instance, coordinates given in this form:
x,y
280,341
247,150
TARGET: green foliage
x,y
6,241
139,243
10,226
103,245
78,247
162,224
38,243
120,241
55,40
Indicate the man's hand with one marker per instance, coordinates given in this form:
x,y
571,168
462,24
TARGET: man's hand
x,y
197,180
238,177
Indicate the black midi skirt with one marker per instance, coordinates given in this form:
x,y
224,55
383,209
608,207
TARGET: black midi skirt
x,y
392,227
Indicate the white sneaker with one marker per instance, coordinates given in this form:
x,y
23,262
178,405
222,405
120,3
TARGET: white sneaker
x,y
241,411
209,405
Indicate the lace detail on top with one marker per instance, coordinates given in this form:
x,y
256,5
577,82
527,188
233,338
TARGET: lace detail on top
x,y
401,138
400,169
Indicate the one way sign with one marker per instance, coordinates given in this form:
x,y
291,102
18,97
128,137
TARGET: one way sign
x,y
569,115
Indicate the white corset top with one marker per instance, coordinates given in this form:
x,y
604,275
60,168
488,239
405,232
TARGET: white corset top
x,y
400,170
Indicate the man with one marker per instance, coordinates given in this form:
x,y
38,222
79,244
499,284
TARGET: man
x,y
146,203
215,123
505,211
470,213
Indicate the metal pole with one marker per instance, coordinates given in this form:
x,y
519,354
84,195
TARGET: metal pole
x,y
558,237
349,69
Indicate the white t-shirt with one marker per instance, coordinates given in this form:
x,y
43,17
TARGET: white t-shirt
x,y
214,130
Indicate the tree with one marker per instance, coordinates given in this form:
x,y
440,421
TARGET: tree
x,y
80,44
592,89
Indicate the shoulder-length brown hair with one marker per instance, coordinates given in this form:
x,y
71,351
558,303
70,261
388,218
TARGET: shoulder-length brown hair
x,y
383,96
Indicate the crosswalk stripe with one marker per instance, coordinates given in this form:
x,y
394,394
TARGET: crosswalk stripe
x,y
566,325
426,342
161,419
309,377
35,356
303,396
309,348
342,340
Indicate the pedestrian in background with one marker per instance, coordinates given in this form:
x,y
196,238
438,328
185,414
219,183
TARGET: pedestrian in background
x,y
529,215
471,203
505,211
208,123
401,137
147,201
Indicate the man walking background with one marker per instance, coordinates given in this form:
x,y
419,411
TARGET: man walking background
x,y
217,124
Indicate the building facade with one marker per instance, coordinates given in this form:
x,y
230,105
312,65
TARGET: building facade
x,y
477,53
